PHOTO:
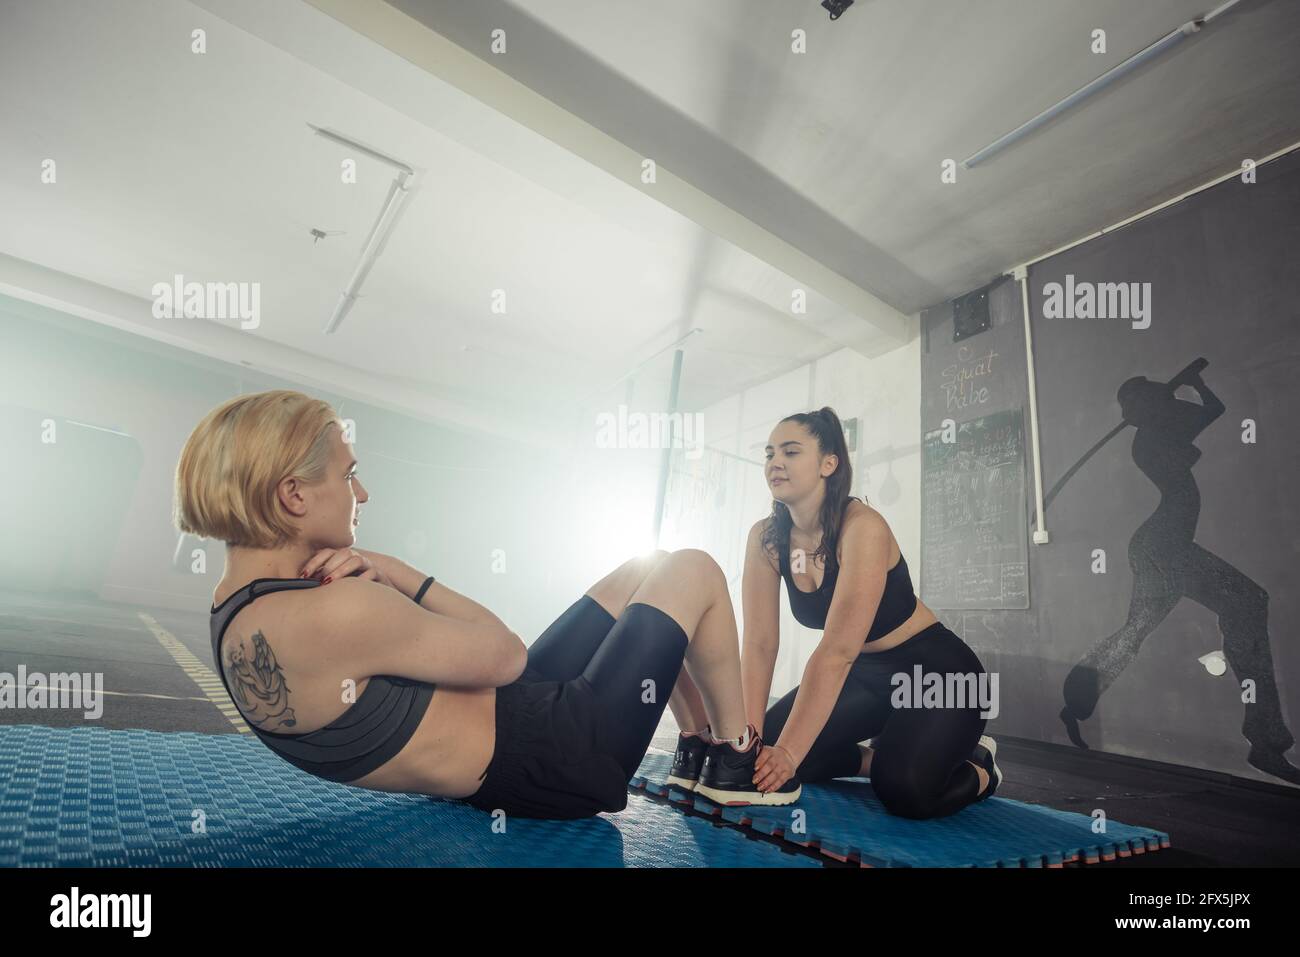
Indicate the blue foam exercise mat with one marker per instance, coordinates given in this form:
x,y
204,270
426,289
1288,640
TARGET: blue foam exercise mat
x,y
93,797
844,819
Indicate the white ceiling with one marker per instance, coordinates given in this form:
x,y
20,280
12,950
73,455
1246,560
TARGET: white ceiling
x,y
840,148
819,171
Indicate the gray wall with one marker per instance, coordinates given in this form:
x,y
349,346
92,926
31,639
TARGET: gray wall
x,y
1224,269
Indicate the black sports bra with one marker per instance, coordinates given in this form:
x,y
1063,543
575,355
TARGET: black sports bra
x,y
362,738
810,607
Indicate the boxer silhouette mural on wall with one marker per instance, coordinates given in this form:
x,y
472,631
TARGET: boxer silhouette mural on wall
x,y
1168,565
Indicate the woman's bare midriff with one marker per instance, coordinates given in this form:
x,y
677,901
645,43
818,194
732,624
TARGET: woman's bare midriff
x,y
450,749
452,744
922,618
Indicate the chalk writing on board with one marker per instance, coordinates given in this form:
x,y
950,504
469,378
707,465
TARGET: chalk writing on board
x,y
974,549
965,383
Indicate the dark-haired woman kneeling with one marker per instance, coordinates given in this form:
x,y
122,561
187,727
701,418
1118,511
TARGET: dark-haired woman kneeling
x,y
846,575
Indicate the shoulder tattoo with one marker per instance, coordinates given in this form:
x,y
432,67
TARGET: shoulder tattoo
x,y
258,685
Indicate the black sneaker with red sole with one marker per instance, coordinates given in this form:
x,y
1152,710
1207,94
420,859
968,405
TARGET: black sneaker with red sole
x,y
727,777
688,760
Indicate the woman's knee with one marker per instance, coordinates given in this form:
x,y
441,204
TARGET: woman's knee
x,y
642,565
614,590
700,566
635,570
900,789
902,800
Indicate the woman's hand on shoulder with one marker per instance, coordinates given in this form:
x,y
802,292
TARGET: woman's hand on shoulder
x,y
331,563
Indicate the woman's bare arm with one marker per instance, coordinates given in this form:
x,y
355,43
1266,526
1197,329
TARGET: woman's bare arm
x,y
858,590
364,628
438,598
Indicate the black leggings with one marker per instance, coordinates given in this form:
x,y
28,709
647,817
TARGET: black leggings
x,y
919,769
572,730
631,664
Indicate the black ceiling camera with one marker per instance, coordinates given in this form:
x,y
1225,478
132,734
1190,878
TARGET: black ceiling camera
x,y
836,7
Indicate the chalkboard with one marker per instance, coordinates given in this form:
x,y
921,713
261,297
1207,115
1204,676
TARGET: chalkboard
x,y
974,538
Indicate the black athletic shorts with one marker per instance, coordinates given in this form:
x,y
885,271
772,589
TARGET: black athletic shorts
x,y
573,729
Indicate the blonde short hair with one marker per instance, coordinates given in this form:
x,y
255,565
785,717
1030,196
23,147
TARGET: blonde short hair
x,y
235,458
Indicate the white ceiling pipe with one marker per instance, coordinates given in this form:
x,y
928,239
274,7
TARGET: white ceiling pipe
x,y
1110,76
1041,537
398,193
329,134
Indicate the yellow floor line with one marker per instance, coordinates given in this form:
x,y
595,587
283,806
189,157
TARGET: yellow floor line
x,y
203,676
